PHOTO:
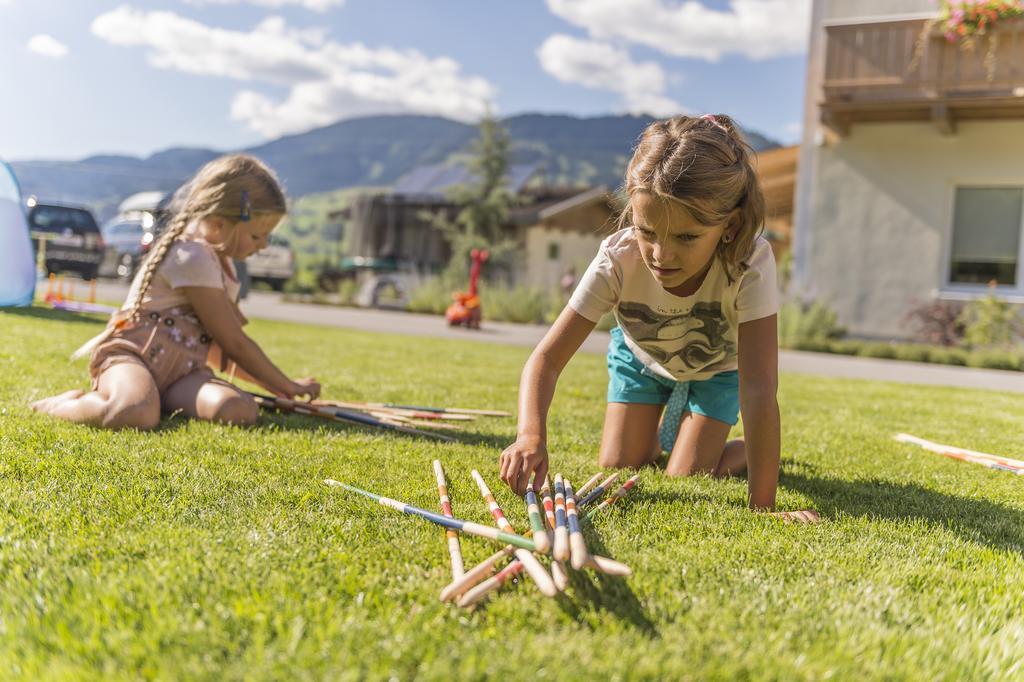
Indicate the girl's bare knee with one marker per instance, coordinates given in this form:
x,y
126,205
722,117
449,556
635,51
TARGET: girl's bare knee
x,y
143,415
235,409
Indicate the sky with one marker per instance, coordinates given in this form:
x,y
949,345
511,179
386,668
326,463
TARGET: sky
x,y
85,77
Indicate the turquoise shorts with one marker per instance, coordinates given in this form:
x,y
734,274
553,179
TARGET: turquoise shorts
x,y
630,381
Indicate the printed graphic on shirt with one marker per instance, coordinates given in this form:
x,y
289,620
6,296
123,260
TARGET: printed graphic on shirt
x,y
696,340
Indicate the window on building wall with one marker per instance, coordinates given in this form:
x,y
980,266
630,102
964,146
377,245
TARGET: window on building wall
x,y
553,250
986,235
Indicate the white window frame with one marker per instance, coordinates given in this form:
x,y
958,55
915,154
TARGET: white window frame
x,y
967,292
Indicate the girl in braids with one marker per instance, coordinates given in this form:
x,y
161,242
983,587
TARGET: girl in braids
x,y
181,315
692,286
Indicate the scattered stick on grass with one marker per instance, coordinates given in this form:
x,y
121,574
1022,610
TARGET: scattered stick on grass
x,y
558,573
533,567
467,527
585,488
986,460
580,556
454,549
335,414
540,533
599,490
560,550
615,497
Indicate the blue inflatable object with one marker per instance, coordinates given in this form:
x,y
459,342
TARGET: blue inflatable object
x,y
17,263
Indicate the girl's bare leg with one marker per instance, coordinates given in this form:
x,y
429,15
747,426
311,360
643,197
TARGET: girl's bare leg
x,y
201,396
125,397
630,437
701,447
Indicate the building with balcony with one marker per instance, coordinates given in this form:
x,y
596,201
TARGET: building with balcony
x,y
911,174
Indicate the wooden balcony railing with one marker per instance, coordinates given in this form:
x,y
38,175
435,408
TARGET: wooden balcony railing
x,y
870,75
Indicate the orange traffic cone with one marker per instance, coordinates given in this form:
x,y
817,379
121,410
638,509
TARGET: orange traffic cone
x,y
92,291
50,293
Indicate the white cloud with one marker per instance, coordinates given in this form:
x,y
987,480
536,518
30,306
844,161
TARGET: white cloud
x,y
604,67
757,29
314,5
47,46
328,81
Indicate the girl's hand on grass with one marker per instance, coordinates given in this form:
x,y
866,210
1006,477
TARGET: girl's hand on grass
x,y
802,516
527,457
308,387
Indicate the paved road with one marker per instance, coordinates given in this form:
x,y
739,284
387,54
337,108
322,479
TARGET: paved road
x,y
261,305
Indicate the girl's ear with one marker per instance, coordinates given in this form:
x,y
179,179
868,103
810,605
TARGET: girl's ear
x,y
732,226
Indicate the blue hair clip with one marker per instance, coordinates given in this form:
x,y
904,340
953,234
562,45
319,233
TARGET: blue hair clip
x,y
245,213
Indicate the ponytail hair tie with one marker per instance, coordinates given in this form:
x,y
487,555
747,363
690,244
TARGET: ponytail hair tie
x,y
245,211
714,121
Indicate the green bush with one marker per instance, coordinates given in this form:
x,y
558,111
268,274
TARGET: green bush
x,y
521,304
844,347
878,350
800,323
990,322
994,359
913,353
948,356
432,296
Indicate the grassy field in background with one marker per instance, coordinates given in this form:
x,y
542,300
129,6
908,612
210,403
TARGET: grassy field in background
x,y
202,551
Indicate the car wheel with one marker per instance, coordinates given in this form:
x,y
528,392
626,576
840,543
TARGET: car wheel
x,y
88,274
276,284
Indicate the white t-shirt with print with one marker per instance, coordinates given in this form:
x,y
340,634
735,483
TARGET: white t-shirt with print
x,y
678,337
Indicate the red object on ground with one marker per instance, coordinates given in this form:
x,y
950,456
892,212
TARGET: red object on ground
x,y
465,310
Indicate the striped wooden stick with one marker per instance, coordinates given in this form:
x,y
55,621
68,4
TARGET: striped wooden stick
x,y
533,567
558,573
585,488
577,545
560,550
475,575
467,527
982,458
480,591
615,497
338,415
540,533
454,549
600,490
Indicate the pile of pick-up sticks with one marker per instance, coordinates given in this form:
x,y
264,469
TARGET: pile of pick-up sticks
x,y
561,536
400,418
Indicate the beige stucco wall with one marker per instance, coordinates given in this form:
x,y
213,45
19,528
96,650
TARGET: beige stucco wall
x,y
880,215
575,248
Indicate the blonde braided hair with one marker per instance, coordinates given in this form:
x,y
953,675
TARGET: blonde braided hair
x,y
705,164
234,187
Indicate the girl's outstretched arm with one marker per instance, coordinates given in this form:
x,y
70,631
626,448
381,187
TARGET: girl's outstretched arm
x,y
759,380
218,317
528,455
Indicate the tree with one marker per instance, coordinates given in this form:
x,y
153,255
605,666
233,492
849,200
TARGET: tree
x,y
482,205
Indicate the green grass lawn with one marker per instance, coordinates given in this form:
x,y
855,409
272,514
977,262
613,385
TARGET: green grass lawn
x,y
210,552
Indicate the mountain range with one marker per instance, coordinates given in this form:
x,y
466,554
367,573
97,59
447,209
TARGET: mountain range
x,y
369,151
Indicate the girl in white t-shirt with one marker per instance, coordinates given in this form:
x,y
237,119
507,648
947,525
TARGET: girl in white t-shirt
x,y
692,287
182,315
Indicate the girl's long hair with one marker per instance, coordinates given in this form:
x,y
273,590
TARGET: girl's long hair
x,y
705,164
234,187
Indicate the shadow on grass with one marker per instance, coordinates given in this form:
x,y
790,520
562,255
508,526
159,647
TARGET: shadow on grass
x,y
980,521
43,313
607,593
298,422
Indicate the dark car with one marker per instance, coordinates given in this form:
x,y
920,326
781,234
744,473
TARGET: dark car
x,y
73,240
127,241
